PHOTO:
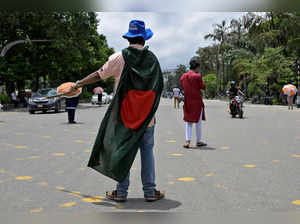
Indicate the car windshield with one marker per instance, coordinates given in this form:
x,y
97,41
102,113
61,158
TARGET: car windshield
x,y
46,92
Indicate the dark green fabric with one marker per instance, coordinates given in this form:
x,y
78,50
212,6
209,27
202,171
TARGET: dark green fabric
x,y
116,146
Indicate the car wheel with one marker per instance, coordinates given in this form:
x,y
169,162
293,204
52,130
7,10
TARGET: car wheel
x,y
31,111
44,111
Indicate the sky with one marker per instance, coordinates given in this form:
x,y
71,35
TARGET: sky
x,y
177,36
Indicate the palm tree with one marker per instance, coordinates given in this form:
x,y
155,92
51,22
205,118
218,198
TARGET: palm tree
x,y
220,35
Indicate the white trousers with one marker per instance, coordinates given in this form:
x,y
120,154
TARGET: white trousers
x,y
188,130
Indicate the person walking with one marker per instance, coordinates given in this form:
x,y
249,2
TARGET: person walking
x,y
176,95
71,105
14,99
129,121
290,100
193,108
100,98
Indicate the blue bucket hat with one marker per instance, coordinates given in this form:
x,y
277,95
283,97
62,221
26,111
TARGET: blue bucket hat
x,y
137,29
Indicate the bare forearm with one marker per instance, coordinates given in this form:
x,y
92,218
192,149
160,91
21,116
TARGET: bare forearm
x,y
90,79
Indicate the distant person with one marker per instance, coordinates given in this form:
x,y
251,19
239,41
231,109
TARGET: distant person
x,y
14,99
71,105
193,108
290,100
100,98
176,96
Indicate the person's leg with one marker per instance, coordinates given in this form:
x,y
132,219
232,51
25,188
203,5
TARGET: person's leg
x,y
122,188
292,102
69,115
289,101
199,128
174,102
188,131
188,134
147,162
72,115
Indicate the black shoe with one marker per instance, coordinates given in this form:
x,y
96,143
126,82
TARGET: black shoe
x,y
72,122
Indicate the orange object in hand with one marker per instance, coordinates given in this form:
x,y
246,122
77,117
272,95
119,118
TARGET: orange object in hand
x,y
66,90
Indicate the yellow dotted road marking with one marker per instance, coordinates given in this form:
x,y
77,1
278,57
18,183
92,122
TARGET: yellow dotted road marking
x,y
186,179
171,182
249,166
297,202
176,154
2,171
209,174
171,141
68,204
36,210
87,150
220,186
296,156
58,154
21,147
140,211
75,193
19,159
95,199
276,161
81,169
24,178
80,141
20,133
34,157
225,148
60,188
47,137
119,206
43,183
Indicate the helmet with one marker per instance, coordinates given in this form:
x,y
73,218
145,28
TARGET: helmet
x,y
232,83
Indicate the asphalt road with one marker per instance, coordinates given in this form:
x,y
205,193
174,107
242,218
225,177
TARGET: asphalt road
x,y
250,164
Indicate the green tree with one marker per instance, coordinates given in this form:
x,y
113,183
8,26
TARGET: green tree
x,y
75,49
211,87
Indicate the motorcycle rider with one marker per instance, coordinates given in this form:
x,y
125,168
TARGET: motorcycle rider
x,y
232,92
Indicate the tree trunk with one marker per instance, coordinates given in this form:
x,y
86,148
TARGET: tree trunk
x,y
37,82
217,73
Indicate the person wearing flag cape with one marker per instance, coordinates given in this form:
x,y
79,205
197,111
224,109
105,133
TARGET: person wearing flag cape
x,y
129,122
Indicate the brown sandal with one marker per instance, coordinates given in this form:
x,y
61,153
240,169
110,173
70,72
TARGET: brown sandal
x,y
187,144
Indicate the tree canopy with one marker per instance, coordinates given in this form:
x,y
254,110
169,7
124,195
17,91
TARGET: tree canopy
x,y
74,48
257,50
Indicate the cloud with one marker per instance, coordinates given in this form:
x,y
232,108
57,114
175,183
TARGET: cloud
x,y
177,36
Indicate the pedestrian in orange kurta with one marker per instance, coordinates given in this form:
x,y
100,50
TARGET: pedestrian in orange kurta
x,y
192,85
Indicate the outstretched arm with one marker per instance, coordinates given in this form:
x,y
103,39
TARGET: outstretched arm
x,y
90,79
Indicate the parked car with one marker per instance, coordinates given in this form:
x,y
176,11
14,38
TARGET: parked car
x,y
105,98
110,97
39,102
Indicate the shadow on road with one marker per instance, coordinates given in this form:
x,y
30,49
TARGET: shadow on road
x,y
203,148
67,123
132,203
141,204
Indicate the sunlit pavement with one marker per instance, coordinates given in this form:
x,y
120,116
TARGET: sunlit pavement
x,y
250,164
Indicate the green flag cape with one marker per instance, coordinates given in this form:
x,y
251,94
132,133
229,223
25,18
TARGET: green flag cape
x,y
129,114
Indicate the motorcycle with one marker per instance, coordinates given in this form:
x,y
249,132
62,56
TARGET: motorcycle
x,y
236,107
